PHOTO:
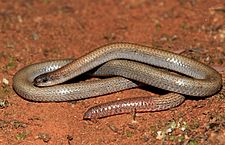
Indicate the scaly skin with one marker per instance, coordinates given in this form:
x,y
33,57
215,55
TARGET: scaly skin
x,y
134,66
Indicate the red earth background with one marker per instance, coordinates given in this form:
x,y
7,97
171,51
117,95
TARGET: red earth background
x,y
40,30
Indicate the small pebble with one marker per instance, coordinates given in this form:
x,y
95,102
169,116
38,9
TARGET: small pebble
x,y
5,81
159,135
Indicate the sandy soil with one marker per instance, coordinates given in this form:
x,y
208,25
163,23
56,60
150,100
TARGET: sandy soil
x,y
39,30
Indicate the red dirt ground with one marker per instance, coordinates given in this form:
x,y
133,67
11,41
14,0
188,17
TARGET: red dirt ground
x,y
39,30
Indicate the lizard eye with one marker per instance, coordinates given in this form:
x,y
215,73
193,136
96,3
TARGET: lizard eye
x,y
40,80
